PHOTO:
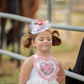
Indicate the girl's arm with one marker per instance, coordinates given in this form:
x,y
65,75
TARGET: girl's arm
x,y
60,75
26,70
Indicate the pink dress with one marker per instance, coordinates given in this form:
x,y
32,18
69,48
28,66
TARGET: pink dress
x,y
44,71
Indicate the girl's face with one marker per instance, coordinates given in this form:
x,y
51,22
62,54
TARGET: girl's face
x,y
43,41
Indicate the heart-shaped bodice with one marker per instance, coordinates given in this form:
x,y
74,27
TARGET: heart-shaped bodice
x,y
46,67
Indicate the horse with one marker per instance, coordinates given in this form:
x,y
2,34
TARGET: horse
x,y
79,66
26,8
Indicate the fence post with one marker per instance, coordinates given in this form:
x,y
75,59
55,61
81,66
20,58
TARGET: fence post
x,y
49,10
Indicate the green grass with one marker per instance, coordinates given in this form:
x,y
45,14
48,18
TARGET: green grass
x,y
13,79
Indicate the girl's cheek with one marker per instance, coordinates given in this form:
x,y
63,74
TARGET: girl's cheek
x,y
51,43
39,44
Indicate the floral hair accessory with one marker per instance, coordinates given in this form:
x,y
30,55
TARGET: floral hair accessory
x,y
38,26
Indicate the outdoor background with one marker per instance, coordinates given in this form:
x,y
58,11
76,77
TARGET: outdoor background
x,y
66,53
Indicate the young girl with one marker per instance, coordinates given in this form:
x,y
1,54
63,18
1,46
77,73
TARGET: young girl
x,y
41,68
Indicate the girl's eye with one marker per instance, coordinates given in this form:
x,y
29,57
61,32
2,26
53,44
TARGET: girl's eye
x,y
49,39
41,39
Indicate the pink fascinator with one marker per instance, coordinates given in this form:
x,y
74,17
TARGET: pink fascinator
x,y
38,26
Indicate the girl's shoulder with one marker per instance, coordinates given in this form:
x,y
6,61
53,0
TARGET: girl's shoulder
x,y
28,61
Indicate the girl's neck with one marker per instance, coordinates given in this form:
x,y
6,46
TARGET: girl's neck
x,y
43,54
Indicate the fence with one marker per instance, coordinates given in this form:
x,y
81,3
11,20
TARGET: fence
x,y
28,20
20,57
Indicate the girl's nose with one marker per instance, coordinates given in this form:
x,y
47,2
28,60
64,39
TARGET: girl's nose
x,y
45,40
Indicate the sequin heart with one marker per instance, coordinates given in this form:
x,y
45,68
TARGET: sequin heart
x,y
46,67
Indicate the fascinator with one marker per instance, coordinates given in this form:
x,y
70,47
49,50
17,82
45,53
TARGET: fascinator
x,y
38,26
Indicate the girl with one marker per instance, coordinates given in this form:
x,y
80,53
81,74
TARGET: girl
x,y
41,68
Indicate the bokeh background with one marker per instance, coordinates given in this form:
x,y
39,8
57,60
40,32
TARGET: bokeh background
x,y
63,13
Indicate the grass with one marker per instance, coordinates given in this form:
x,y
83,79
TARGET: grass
x,y
13,79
